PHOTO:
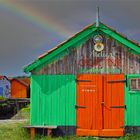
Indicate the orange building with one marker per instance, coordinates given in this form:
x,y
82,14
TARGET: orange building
x,y
20,88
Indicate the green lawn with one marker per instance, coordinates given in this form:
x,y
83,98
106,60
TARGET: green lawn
x,y
14,131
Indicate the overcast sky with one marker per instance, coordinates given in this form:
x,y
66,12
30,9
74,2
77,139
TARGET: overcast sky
x,y
29,28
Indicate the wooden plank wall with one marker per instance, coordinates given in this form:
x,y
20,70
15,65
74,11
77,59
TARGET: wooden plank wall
x,y
83,60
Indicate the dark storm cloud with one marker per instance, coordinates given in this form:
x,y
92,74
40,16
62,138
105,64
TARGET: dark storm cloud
x,y
123,13
21,41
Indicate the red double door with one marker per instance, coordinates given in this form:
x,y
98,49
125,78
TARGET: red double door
x,y
100,105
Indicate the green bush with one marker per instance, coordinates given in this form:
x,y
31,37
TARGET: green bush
x,y
2,98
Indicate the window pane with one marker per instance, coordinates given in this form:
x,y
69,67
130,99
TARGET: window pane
x,y
133,84
139,84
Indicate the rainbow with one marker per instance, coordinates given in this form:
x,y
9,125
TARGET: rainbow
x,y
44,22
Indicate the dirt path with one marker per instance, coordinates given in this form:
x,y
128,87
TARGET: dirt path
x,y
12,121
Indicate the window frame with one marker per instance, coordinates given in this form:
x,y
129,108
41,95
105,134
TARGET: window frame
x,y
137,84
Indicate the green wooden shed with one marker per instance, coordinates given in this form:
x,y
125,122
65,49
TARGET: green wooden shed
x,y
66,84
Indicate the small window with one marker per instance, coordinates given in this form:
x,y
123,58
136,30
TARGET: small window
x,y
138,83
135,84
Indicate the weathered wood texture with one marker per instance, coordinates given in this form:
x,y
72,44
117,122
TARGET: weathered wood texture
x,y
116,58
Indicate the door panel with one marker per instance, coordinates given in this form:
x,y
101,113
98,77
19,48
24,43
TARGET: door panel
x,y
114,102
89,96
101,98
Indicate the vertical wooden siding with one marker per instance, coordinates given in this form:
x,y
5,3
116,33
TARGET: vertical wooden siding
x,y
69,64
132,101
53,99
113,96
89,98
100,105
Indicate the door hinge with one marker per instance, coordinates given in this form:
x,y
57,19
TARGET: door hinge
x,y
124,106
117,81
83,80
126,82
77,106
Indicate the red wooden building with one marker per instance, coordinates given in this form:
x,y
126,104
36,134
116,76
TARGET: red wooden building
x,y
20,87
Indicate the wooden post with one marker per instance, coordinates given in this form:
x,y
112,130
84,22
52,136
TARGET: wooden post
x,y
32,131
49,132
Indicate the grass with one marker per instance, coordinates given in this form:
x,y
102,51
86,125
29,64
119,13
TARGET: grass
x,y
14,131
22,114
2,98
